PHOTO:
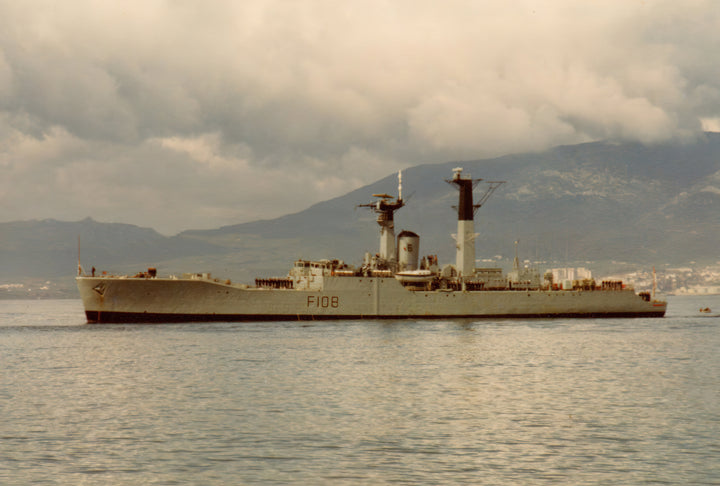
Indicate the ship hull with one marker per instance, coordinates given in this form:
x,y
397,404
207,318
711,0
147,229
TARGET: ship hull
x,y
154,300
96,317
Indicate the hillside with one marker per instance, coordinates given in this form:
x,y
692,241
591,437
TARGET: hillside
x,y
597,202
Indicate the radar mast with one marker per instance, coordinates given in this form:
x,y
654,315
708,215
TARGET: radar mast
x,y
465,237
385,208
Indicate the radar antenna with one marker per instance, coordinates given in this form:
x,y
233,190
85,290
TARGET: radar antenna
x,y
385,208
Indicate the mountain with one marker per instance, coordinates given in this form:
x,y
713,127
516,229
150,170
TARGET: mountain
x,y
602,203
35,254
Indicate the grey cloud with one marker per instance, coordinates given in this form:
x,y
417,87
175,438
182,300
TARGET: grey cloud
x,y
173,115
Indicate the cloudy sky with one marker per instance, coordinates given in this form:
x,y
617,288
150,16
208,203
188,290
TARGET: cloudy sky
x,y
182,114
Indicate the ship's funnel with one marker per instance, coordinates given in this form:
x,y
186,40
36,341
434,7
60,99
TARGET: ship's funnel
x,y
408,250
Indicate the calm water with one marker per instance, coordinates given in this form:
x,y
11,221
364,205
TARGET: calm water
x,y
619,401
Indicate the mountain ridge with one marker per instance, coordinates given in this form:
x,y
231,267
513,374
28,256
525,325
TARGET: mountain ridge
x,y
596,202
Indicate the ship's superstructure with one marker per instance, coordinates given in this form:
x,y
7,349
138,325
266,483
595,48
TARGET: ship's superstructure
x,y
394,283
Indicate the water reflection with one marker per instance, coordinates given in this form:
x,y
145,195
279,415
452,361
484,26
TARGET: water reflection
x,y
424,402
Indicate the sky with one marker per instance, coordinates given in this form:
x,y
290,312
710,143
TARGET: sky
x,y
193,115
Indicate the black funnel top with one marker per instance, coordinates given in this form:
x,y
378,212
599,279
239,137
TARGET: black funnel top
x,y
466,211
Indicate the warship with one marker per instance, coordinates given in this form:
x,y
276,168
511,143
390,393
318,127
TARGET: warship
x,y
394,283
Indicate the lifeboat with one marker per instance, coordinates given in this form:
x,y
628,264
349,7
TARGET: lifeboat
x,y
415,277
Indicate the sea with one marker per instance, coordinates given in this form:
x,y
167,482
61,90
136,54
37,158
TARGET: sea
x,y
417,402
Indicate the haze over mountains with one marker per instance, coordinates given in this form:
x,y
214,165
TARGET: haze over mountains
x,y
595,204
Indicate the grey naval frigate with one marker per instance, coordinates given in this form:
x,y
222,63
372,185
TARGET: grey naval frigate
x,y
395,283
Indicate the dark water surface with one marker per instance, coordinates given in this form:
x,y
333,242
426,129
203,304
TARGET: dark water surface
x,y
617,401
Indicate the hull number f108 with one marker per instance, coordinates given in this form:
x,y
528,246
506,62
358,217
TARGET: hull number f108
x,y
323,301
